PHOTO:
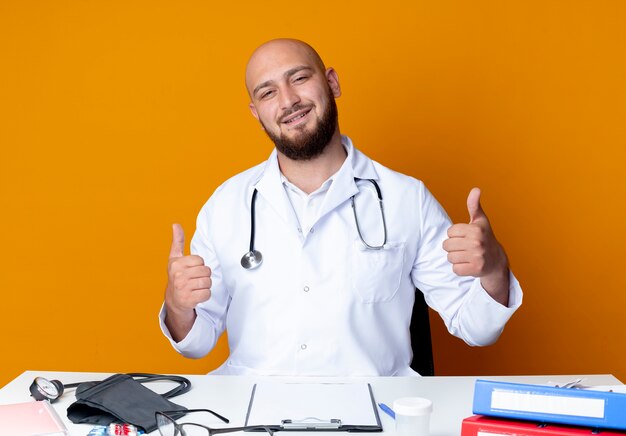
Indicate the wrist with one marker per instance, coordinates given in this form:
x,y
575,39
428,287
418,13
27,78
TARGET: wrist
x,y
179,325
496,283
180,314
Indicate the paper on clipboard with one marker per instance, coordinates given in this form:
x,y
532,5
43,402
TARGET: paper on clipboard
x,y
271,403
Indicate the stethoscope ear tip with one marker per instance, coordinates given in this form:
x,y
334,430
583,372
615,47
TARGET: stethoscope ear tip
x,y
252,259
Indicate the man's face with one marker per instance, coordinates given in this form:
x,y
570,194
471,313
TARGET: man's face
x,y
293,98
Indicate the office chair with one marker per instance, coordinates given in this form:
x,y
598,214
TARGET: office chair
x,y
421,341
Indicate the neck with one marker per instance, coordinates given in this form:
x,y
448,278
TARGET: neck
x,y
309,175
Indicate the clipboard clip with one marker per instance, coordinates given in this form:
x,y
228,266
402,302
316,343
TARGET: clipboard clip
x,y
310,424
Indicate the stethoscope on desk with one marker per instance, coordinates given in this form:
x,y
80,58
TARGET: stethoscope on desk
x,y
253,258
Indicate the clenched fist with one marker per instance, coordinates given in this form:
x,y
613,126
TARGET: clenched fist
x,y
188,283
474,251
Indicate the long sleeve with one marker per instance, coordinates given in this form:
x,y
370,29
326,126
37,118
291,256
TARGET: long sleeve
x,y
467,309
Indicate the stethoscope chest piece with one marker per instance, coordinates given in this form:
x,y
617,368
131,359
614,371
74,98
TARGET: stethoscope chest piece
x,y
252,259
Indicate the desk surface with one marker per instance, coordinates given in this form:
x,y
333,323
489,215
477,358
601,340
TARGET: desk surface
x,y
229,395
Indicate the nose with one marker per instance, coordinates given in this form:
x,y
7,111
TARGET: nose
x,y
288,98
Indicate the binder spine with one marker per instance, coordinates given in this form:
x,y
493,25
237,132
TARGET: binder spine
x,y
550,404
486,426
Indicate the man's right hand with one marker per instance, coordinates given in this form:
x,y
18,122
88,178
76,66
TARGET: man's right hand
x,y
188,283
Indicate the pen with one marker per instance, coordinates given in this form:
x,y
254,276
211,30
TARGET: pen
x,y
387,410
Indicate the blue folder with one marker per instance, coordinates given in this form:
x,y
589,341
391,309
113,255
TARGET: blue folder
x,y
550,404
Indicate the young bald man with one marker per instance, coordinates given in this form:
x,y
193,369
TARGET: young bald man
x,y
334,291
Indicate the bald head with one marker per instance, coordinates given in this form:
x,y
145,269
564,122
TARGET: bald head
x,y
292,95
279,52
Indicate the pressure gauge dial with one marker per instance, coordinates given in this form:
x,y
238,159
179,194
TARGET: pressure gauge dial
x,y
44,389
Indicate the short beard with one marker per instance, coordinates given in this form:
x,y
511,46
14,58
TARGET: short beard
x,y
308,145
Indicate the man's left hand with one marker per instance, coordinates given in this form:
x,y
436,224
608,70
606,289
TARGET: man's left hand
x,y
474,251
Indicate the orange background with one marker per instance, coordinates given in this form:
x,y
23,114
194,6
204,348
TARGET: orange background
x,y
118,118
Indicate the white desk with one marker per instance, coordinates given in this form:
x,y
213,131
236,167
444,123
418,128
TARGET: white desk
x,y
229,395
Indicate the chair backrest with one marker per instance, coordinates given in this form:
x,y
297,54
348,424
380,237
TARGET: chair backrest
x,y
420,337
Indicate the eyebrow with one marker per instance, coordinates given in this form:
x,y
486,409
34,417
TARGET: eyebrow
x,y
286,75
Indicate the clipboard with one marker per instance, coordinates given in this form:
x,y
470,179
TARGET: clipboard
x,y
314,407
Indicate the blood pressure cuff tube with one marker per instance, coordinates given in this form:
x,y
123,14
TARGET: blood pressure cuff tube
x,y
119,398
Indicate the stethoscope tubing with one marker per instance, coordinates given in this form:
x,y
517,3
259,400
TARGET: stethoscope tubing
x,y
382,213
252,219
253,258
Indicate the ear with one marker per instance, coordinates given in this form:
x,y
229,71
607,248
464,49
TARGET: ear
x,y
253,110
255,113
333,81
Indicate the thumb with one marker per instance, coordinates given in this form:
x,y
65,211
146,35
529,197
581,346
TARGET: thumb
x,y
473,205
178,241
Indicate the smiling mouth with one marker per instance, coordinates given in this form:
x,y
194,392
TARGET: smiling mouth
x,y
296,118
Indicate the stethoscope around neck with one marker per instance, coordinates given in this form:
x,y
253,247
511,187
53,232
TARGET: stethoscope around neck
x,y
253,258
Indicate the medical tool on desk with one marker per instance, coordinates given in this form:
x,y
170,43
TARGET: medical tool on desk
x,y
116,430
253,258
119,398
51,390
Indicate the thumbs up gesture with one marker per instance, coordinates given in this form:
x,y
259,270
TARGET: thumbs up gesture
x,y
188,283
474,251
